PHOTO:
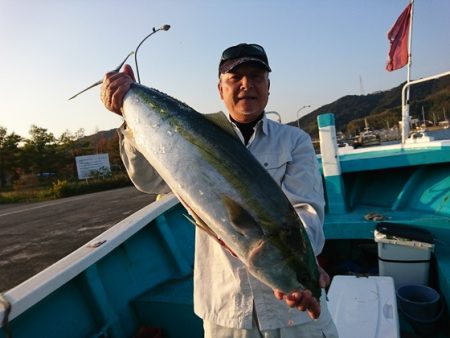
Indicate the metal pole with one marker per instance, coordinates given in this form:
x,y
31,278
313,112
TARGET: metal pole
x,y
163,28
405,107
298,111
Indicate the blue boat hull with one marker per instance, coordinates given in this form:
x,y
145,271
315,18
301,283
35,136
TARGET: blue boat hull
x,y
140,276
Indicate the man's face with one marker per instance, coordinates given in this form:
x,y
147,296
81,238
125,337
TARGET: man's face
x,y
245,91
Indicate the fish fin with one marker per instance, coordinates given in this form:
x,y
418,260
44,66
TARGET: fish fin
x,y
198,222
202,225
240,218
220,120
190,219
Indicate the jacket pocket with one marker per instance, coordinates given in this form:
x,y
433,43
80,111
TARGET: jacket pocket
x,y
275,164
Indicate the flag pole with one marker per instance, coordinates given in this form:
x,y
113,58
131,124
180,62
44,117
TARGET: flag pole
x,y
405,105
409,82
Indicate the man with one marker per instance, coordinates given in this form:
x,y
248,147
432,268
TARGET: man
x,y
231,302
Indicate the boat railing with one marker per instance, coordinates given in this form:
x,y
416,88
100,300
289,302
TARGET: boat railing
x,y
405,104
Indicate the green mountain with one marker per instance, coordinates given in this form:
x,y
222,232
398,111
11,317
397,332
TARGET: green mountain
x,y
383,109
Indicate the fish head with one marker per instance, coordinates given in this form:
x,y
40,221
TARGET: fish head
x,y
274,246
281,268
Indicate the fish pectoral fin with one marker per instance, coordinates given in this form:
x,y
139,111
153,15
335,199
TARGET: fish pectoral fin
x,y
198,222
243,222
202,225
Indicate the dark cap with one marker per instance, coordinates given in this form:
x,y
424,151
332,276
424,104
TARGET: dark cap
x,y
236,55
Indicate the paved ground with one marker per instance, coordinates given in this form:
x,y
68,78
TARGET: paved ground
x,y
35,235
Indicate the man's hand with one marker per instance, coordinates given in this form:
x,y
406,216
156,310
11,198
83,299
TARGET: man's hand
x,y
304,300
114,87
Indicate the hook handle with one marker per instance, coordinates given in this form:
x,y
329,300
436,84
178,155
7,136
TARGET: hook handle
x,y
154,30
100,81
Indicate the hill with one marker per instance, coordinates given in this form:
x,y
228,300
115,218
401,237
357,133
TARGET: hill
x,y
94,139
383,109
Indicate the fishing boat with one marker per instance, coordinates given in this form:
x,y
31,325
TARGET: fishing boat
x,y
135,279
387,229
419,136
366,138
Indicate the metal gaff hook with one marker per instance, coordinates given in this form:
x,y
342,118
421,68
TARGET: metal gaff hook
x,y
165,28
100,81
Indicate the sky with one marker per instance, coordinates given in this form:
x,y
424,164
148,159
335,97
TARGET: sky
x,y
319,51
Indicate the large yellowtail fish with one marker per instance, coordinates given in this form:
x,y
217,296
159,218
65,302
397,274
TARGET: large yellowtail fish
x,y
230,194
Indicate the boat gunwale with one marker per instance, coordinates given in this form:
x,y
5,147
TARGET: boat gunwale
x,y
391,156
394,148
39,286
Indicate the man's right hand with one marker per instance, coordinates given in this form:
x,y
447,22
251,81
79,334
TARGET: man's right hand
x,y
114,87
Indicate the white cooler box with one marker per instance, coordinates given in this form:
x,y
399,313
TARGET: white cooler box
x,y
364,307
404,253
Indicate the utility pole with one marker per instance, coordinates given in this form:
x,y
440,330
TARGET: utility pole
x,y
361,87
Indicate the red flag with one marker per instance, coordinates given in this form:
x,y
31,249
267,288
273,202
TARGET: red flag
x,y
398,38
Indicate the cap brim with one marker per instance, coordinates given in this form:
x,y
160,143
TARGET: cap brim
x,y
230,64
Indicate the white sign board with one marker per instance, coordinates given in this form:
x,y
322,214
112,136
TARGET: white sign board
x,y
89,164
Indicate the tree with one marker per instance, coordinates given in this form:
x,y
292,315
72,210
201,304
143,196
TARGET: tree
x,y
39,152
112,149
71,145
9,156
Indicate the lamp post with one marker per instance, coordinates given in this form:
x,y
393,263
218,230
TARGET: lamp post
x,y
298,111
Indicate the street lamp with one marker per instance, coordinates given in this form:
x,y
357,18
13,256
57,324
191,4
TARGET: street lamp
x,y
298,111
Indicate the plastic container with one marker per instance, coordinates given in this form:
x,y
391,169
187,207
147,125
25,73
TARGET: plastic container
x,y
404,253
364,307
421,306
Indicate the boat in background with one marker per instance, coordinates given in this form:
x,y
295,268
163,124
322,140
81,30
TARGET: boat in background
x,y
366,138
419,136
